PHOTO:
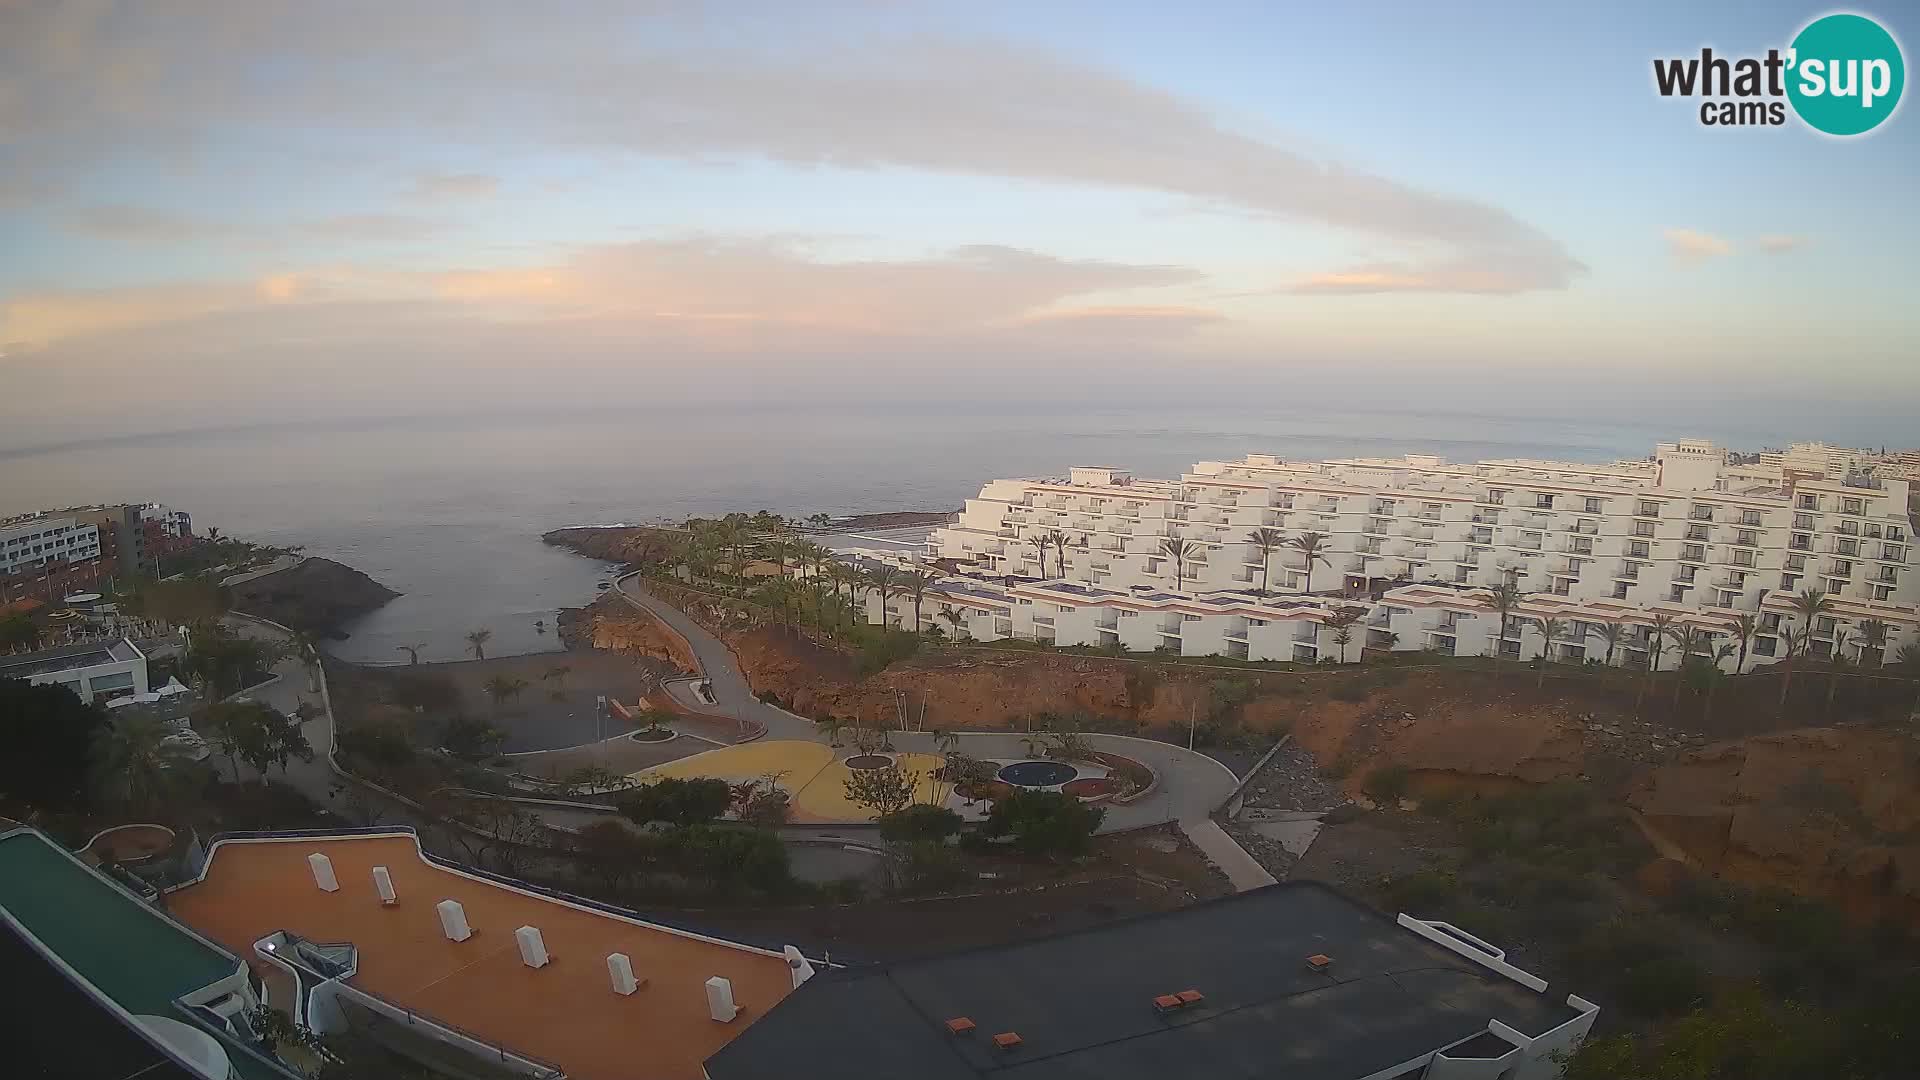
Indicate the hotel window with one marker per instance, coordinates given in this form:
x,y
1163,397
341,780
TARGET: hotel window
x,y
1803,521
1747,538
1620,590
1808,502
1743,558
1842,568
1894,533
1703,513
1825,626
1649,508
1789,581
1693,552
1894,552
1639,549
1847,547
1801,542
1749,517
1678,595
1883,592
1684,573
1593,506
1853,506
1189,618
1542,501
1696,532
1643,528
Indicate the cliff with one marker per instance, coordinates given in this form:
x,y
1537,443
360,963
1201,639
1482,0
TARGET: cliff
x,y
621,544
317,596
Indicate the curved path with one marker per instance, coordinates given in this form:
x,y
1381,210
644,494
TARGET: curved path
x,y
1192,785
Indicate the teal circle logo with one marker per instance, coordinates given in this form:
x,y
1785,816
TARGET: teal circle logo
x,y
1845,74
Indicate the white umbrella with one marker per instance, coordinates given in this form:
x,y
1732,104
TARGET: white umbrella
x,y
173,687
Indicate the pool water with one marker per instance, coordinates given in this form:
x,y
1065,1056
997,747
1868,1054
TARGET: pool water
x,y
1038,774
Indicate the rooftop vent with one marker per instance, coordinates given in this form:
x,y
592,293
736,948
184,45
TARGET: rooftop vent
x,y
1166,1002
1007,1040
1320,961
960,1025
1190,997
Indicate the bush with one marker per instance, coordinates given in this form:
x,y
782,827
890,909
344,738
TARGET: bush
x,y
881,647
1425,891
919,824
378,744
1044,822
676,801
423,690
929,865
731,856
1664,987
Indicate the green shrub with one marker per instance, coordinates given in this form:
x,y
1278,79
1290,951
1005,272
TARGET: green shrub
x,y
918,824
1388,783
1044,822
1424,891
1664,987
676,801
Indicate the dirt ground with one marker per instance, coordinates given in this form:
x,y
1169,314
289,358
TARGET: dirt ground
x,y
549,713
1134,874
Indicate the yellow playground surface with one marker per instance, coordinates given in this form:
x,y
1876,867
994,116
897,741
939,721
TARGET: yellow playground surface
x,y
814,775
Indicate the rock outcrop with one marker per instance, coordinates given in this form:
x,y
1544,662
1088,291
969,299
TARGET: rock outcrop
x,y
317,596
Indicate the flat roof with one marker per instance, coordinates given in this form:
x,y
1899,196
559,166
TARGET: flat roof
x,y
1083,1003
69,1026
66,658
565,1013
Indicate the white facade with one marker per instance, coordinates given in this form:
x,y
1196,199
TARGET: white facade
x,y
34,543
1683,535
111,668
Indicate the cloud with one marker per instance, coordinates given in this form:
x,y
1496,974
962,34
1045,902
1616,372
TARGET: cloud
x,y
700,291
1690,247
455,186
81,82
149,225
1780,244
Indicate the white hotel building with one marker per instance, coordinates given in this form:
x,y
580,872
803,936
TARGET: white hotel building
x,y
1416,542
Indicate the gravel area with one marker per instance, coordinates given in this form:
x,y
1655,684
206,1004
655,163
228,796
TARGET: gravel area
x,y
1291,781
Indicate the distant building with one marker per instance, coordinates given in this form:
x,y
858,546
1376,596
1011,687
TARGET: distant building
x,y
32,545
1288,982
1417,545
95,669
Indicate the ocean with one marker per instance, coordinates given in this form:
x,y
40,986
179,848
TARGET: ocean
x,y
449,510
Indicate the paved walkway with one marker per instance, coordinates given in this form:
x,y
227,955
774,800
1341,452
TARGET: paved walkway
x,y
1191,784
1231,858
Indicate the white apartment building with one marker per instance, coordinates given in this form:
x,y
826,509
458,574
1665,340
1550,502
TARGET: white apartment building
x,y
30,544
1416,544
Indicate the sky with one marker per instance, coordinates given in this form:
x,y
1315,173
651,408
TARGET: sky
x,y
216,213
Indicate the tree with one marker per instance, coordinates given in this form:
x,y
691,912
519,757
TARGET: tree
x,y
1039,542
1713,678
471,739
1745,626
613,852
730,857
1061,542
1873,641
223,659
134,761
1550,629
19,632
1268,541
556,677
1311,546
1613,633
1661,627
1342,620
236,729
676,801
832,727
1179,551
477,643
1504,597
1044,822
1908,659
1689,640
412,651
503,689
1842,639
884,579
919,823
1811,605
957,620
914,583
885,790
48,733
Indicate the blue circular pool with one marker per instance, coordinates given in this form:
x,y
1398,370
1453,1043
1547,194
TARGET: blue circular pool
x,y
1038,774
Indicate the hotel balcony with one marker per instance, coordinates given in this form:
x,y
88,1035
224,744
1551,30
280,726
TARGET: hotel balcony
x,y
1733,583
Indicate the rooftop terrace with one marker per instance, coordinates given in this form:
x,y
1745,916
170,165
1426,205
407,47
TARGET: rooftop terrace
x,y
565,1013
66,658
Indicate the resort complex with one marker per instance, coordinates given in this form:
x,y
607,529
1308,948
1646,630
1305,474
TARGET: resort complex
x,y
475,975
1266,559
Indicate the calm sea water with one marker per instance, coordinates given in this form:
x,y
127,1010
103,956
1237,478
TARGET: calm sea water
x,y
450,511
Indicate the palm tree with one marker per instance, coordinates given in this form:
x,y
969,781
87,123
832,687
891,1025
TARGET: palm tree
x,y
1841,639
1309,544
1873,641
1267,540
1744,627
957,620
884,579
1504,597
412,651
1179,551
1040,542
1613,633
1713,679
1656,644
306,648
1689,640
503,689
1342,620
1060,541
1811,605
1549,629
557,675
842,574
132,759
914,583
477,643
831,727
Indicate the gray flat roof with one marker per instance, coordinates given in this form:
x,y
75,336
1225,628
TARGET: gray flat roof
x,y
1082,1003
66,658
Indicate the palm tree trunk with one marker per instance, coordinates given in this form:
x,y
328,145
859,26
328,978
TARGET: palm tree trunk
x,y
1266,568
1833,683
